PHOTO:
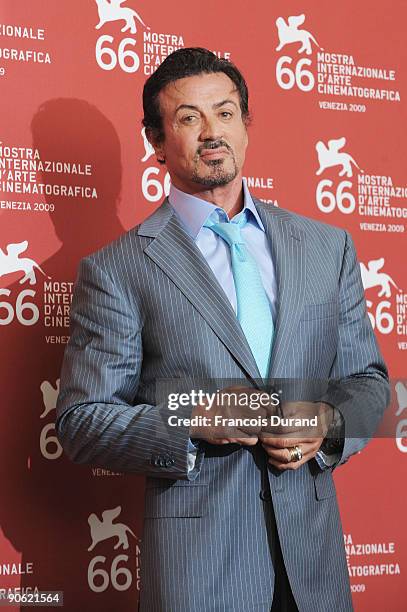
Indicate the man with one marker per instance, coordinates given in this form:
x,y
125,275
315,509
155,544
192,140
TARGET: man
x,y
217,286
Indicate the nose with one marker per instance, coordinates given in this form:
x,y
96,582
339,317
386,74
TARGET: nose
x,y
211,129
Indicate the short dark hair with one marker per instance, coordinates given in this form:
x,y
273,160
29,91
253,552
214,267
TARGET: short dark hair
x,y
183,63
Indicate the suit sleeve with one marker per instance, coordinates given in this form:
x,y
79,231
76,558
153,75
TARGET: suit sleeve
x,y
99,421
360,388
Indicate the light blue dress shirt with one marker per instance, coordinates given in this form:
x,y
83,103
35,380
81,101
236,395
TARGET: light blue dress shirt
x,y
193,213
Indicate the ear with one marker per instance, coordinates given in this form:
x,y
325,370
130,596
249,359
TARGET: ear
x,y
247,120
157,144
246,123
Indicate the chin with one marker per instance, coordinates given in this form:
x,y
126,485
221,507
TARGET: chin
x,y
215,180
215,174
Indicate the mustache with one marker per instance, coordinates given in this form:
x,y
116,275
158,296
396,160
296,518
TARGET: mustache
x,y
214,144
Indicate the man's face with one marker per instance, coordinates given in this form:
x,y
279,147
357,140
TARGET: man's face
x,y
205,137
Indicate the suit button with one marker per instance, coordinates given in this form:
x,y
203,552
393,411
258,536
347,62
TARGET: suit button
x,y
265,495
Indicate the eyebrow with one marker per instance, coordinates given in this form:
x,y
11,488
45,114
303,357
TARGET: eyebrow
x,y
217,105
227,101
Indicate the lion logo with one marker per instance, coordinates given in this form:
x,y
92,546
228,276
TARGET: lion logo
x,y
49,396
372,277
401,393
288,32
12,262
331,155
148,147
104,529
114,11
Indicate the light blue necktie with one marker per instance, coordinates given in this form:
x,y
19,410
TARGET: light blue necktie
x,y
253,306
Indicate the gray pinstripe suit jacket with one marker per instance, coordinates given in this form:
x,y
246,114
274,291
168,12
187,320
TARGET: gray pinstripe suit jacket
x,y
148,306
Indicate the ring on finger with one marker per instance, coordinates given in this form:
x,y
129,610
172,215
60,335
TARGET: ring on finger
x,y
295,454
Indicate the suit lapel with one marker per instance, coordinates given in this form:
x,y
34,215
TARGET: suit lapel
x,y
288,248
174,251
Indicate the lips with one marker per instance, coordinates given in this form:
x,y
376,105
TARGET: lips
x,y
213,153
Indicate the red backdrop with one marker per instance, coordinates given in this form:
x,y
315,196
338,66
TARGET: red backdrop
x,y
328,95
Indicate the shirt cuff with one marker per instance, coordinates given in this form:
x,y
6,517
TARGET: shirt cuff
x,y
326,461
192,452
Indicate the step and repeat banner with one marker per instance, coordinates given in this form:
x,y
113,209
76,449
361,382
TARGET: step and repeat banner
x,y
328,85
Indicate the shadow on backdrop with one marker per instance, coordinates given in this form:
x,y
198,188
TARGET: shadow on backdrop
x,y
46,500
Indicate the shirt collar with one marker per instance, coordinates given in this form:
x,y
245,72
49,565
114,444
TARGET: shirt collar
x,y
194,211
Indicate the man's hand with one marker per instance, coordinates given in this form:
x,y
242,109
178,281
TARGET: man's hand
x,y
277,441
224,433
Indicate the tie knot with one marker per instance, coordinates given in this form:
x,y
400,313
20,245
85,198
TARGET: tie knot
x,y
228,230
